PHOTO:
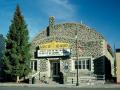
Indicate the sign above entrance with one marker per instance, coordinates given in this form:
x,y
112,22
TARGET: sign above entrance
x,y
54,48
51,53
54,45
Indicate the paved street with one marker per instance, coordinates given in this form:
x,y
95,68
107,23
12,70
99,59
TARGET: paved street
x,y
13,86
53,88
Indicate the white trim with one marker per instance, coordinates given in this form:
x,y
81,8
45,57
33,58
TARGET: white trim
x,y
86,64
32,62
49,67
33,59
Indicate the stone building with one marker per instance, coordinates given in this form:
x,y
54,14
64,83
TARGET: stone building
x,y
118,65
59,49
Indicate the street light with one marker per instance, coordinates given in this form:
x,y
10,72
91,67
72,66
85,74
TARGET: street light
x,y
77,83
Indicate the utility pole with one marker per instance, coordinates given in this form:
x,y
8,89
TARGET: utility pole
x,y
77,83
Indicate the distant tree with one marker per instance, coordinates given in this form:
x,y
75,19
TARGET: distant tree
x,y
17,54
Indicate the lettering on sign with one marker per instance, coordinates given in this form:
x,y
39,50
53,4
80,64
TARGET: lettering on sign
x,y
54,45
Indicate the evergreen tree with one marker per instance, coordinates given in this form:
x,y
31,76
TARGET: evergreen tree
x,y
17,55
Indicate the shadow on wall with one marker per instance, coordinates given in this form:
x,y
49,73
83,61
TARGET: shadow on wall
x,y
61,78
102,66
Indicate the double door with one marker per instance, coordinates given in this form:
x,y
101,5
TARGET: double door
x,y
55,68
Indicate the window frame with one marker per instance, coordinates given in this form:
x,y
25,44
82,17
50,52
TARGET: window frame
x,y
83,63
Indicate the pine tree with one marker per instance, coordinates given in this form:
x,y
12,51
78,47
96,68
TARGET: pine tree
x,y
17,55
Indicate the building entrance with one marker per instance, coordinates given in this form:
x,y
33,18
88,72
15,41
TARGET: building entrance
x,y
55,70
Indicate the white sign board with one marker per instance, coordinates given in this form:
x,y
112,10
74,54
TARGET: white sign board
x,y
51,53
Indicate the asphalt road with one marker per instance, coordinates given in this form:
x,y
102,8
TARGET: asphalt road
x,y
53,88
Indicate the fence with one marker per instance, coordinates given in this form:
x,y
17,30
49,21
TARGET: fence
x,y
87,79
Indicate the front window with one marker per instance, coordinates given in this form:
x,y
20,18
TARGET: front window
x,y
33,65
83,63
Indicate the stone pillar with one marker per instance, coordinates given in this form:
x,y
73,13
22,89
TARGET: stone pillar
x,y
38,67
92,65
48,64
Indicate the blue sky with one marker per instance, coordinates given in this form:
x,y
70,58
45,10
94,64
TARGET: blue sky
x,y
102,15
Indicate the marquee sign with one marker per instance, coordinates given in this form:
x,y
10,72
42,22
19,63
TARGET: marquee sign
x,y
53,49
50,53
54,45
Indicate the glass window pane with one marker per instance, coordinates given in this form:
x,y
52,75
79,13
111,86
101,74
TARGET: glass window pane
x,y
88,67
75,62
31,65
80,66
83,62
75,66
35,65
89,64
79,62
84,66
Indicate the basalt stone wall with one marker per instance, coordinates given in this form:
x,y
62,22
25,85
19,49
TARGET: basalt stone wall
x,y
89,41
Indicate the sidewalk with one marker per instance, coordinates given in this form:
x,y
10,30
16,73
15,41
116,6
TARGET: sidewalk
x,y
61,85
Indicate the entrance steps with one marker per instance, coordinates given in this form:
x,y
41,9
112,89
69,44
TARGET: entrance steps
x,y
50,81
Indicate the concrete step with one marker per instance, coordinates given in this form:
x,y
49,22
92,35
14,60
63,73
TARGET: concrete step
x,y
53,82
